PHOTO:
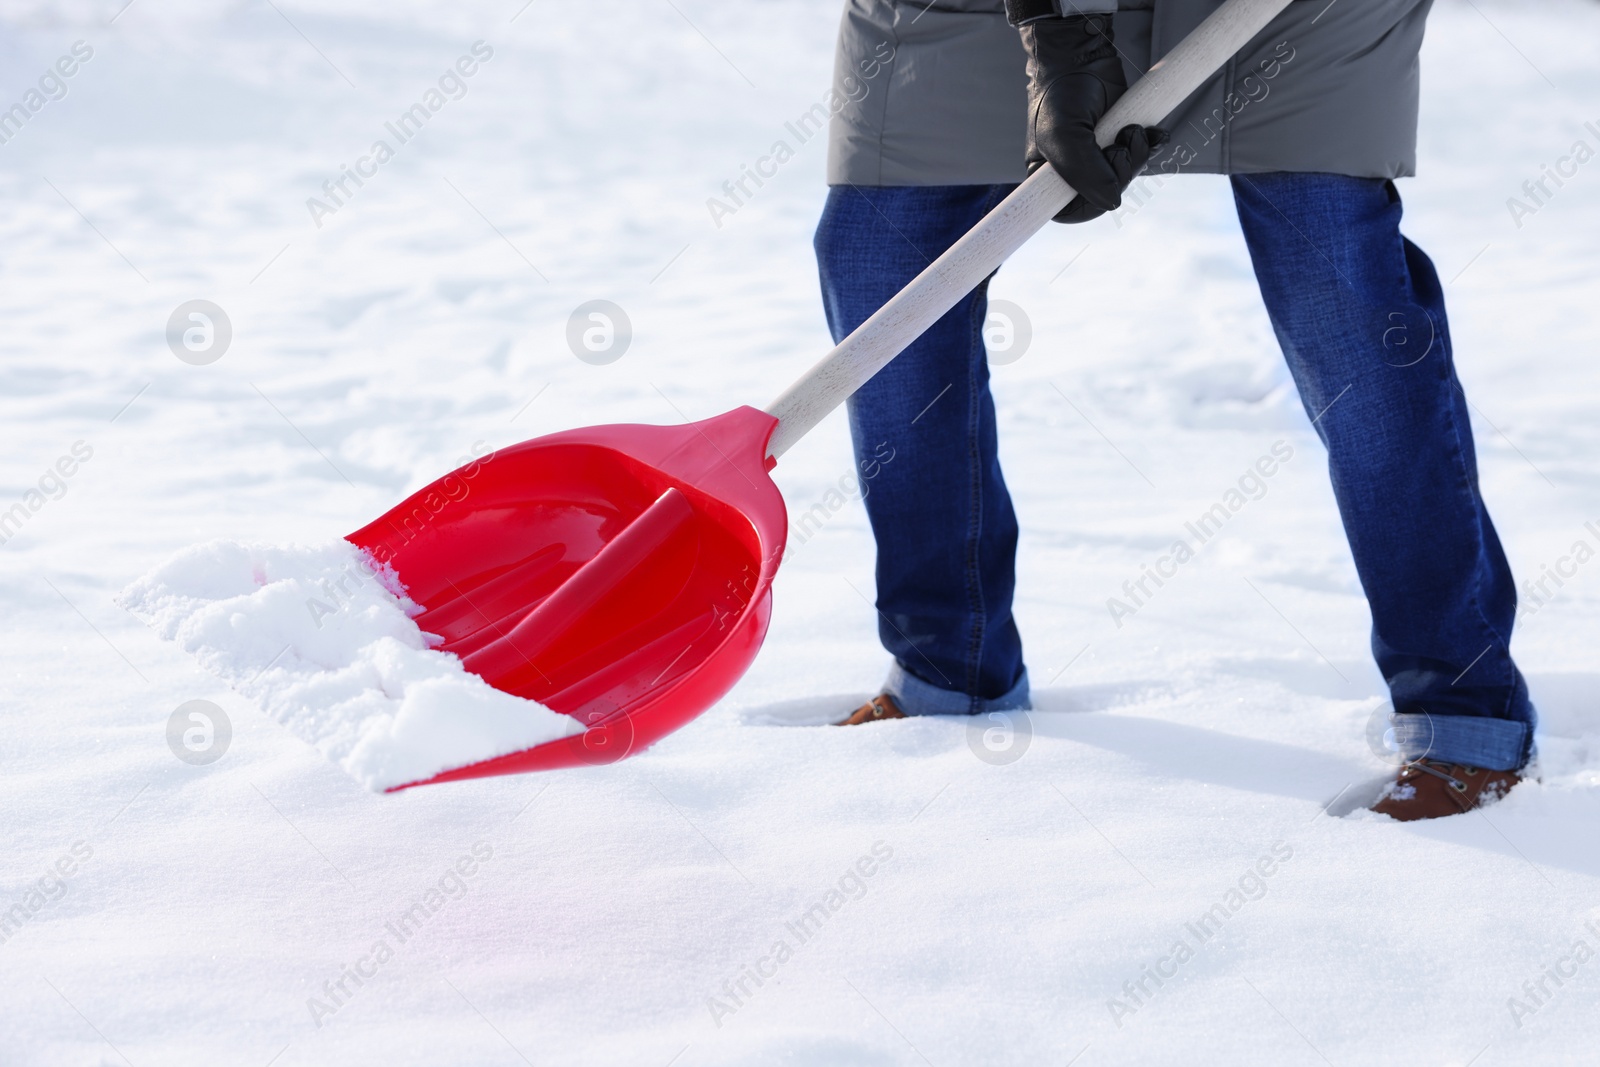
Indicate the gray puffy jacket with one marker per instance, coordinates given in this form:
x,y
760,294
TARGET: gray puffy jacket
x,y
935,93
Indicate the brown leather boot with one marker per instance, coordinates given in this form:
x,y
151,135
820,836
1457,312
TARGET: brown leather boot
x,y
878,708
1430,789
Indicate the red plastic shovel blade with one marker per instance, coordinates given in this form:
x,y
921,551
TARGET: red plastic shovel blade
x,y
618,574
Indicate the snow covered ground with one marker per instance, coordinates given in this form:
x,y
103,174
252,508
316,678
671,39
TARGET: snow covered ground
x,y
978,903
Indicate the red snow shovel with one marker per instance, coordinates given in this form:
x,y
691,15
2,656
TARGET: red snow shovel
x,y
623,574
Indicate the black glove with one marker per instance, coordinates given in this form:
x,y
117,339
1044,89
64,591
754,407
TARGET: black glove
x,y
1074,76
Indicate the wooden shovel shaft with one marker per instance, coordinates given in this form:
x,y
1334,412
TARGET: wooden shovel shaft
x,y
987,245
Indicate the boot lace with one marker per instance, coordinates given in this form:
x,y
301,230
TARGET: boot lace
x,y
1435,769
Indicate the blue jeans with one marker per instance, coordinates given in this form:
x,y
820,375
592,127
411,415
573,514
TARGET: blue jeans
x,y
946,532
1359,313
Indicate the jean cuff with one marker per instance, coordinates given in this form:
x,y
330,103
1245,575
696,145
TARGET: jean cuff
x,y
915,697
1472,741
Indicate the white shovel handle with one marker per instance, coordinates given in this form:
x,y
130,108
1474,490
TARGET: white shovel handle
x,y
1005,229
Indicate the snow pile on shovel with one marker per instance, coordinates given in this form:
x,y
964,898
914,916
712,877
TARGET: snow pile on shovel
x,y
322,639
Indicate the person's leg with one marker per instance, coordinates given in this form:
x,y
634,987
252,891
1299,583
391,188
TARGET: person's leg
x,y
924,430
1359,312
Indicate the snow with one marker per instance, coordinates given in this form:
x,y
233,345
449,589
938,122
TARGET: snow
x,y
188,913
322,639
